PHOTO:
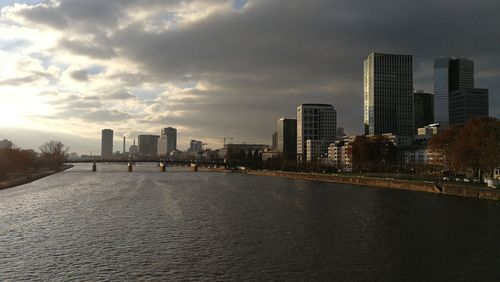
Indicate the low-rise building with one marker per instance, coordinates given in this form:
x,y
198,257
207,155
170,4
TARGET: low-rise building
x,y
317,149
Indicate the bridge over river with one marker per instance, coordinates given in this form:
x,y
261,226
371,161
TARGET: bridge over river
x,y
162,163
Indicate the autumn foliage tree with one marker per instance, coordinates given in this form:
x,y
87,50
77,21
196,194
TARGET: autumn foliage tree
x,y
373,153
13,159
475,145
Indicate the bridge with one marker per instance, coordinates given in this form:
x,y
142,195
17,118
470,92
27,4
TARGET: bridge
x,y
162,163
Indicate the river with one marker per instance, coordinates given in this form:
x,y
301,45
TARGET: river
x,y
181,225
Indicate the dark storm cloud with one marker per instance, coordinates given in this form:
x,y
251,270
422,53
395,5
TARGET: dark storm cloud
x,y
263,61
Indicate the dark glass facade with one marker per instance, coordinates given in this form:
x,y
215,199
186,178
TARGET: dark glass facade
x,y
423,109
467,103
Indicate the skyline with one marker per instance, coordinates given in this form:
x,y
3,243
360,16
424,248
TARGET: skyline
x,y
207,68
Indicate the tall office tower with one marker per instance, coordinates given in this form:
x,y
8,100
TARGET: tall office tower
x,y
168,141
315,122
423,109
450,74
195,146
466,103
106,143
148,145
388,94
124,143
287,138
340,132
274,141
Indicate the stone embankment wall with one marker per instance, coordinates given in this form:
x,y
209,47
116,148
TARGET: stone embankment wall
x,y
465,191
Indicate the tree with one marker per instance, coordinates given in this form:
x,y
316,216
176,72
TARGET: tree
x,y
54,154
474,145
442,146
477,145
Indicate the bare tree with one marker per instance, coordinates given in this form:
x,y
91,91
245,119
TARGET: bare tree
x,y
54,154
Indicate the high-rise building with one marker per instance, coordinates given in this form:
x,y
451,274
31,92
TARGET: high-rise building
x,y
466,103
315,122
423,109
450,74
274,140
195,146
340,132
148,145
106,143
168,141
388,94
287,138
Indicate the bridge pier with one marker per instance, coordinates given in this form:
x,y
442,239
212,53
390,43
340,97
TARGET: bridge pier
x,y
94,167
129,167
194,167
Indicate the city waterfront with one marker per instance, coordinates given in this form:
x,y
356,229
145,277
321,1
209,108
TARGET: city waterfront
x,y
181,225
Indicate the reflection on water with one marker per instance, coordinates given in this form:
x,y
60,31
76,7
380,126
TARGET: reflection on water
x,y
116,225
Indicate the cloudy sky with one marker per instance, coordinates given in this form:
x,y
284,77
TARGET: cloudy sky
x,y
69,68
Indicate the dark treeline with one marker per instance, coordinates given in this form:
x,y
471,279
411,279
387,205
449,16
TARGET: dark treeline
x,y
52,155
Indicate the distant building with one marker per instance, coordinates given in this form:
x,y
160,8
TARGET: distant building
x,y
241,151
388,94
317,149
400,141
107,143
195,146
340,132
287,138
339,153
275,141
316,122
168,141
429,130
466,103
423,109
148,145
133,150
450,74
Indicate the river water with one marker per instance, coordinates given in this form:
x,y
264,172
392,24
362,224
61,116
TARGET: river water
x,y
180,225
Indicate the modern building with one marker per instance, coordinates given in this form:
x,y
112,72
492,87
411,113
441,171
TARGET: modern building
x,y
148,145
317,149
423,109
195,146
274,141
287,138
340,132
107,143
388,94
168,141
315,122
450,74
466,103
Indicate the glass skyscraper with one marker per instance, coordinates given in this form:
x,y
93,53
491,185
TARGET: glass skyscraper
x,y
450,74
388,94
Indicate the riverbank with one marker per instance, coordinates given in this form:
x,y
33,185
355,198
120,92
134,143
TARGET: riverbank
x,y
428,187
28,177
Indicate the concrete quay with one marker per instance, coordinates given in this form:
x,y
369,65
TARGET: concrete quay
x,y
444,189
